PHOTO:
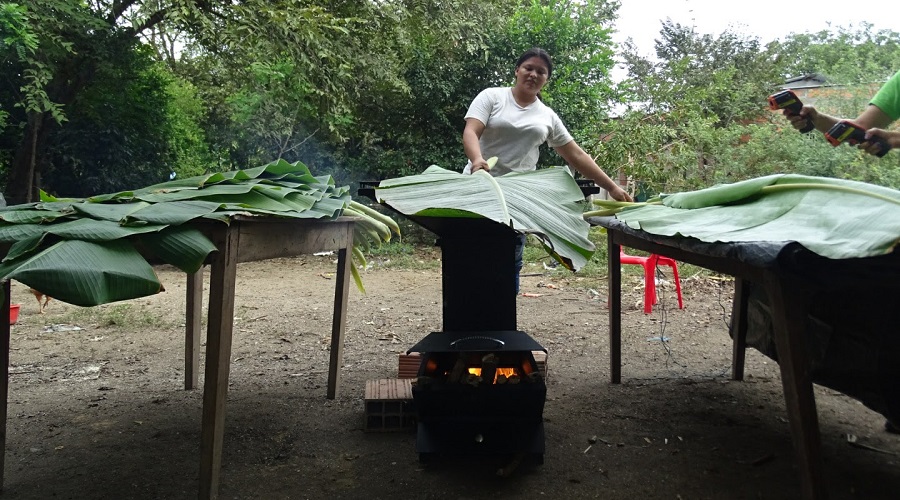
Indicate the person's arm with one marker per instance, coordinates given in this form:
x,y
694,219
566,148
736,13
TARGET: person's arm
x,y
472,146
820,121
872,119
583,163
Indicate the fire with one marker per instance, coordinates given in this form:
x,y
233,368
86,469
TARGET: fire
x,y
506,372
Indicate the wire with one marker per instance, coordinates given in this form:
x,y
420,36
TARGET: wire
x,y
664,321
726,316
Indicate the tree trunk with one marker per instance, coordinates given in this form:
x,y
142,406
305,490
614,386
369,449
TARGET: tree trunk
x,y
25,168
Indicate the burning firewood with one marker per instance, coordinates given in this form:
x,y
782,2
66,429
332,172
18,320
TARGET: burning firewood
x,y
489,367
458,373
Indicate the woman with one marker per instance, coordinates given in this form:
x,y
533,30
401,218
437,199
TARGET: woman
x,y
511,123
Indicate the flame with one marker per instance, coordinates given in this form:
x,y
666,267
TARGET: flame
x,y
508,372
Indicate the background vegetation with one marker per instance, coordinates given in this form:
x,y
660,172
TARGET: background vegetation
x,y
104,95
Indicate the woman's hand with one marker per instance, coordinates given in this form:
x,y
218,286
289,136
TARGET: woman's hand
x,y
480,164
619,194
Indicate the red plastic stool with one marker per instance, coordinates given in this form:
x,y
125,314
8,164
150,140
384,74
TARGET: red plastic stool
x,y
649,264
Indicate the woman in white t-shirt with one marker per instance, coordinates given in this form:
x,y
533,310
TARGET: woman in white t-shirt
x,y
511,123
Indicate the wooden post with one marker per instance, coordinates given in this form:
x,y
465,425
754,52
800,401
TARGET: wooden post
x,y
789,321
339,317
739,327
193,314
4,381
615,309
219,331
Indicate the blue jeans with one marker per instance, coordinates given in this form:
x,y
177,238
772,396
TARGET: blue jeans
x,y
520,252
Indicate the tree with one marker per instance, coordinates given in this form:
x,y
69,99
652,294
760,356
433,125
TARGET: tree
x,y
406,132
75,39
698,84
119,133
41,82
702,115
845,55
721,76
16,40
578,37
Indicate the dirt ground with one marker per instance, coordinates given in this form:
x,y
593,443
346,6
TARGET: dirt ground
x,y
97,409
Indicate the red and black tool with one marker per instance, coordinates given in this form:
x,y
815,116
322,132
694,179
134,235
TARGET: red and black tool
x,y
787,99
847,131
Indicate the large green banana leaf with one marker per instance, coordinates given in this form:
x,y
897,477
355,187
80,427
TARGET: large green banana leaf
x,y
83,251
546,202
834,218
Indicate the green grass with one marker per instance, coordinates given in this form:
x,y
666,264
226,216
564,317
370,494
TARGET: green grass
x,y
119,315
594,268
403,255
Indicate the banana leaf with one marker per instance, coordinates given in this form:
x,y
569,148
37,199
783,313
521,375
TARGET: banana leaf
x,y
835,218
85,251
86,273
546,203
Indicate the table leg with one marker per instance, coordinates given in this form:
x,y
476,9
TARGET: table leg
x,y
4,382
615,310
194,306
739,327
219,331
789,321
339,320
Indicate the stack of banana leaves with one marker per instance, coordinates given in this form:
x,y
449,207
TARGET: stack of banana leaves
x,y
84,251
834,218
546,203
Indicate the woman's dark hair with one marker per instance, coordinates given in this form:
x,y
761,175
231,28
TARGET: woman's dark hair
x,y
536,52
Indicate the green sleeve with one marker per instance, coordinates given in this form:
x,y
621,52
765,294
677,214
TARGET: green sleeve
x,y
888,97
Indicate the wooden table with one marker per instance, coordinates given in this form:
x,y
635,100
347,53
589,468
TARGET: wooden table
x,y
788,277
245,239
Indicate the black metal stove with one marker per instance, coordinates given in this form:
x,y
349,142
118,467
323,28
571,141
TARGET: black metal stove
x,y
479,393
462,408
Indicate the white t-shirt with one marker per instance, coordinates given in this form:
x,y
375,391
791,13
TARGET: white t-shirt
x,y
513,133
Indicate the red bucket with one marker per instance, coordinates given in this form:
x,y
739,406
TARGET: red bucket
x,y
13,313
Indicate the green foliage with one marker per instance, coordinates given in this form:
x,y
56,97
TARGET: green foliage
x,y
16,39
371,90
41,38
578,37
844,54
118,132
720,77
444,63
403,133
186,138
699,85
702,117
404,255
